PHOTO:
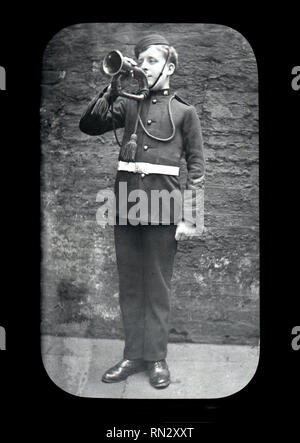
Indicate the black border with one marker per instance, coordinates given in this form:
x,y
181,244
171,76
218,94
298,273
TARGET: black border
x,y
267,400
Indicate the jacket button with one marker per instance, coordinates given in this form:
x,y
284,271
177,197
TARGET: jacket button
x,y
146,147
143,175
149,122
154,101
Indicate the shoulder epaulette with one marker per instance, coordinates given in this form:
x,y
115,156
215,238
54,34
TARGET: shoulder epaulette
x,y
181,100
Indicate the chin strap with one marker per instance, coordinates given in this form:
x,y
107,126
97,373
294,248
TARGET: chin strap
x,y
161,72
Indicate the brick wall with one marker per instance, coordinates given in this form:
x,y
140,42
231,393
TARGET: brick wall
x,y
215,293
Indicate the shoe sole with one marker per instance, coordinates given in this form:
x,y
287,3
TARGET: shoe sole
x,y
160,386
105,380
113,381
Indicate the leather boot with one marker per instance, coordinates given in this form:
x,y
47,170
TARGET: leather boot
x,y
123,369
159,374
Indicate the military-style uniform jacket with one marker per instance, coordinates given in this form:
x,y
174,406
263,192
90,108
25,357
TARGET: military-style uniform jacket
x,y
162,113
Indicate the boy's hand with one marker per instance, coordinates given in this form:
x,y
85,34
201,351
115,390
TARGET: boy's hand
x,y
186,231
111,92
130,60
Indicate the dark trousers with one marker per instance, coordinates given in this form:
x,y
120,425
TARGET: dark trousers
x,y
145,257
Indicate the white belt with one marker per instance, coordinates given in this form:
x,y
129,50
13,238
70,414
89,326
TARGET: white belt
x,y
147,168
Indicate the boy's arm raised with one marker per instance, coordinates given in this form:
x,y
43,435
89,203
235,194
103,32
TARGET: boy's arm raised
x,y
97,118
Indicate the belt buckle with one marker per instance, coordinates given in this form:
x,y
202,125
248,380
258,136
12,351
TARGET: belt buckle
x,y
137,169
141,169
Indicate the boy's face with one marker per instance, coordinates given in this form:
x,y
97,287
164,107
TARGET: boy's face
x,y
152,61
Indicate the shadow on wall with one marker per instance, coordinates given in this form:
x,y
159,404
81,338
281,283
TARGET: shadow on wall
x,y
71,297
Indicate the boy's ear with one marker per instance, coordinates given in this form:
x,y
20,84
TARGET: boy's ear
x,y
171,68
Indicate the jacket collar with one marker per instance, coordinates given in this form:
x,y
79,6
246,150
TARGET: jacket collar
x,y
164,92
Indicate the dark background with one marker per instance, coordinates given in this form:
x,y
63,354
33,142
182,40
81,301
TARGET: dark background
x,y
271,401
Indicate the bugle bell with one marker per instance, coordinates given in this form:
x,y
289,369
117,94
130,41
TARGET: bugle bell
x,y
114,64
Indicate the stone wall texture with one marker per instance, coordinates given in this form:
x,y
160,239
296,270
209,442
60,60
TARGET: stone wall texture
x,y
215,291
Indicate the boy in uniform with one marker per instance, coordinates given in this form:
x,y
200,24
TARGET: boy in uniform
x,y
165,129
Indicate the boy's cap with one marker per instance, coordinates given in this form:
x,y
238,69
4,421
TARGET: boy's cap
x,y
145,42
